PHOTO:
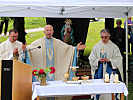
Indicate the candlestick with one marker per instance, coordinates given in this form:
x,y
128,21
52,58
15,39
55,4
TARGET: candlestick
x,y
74,70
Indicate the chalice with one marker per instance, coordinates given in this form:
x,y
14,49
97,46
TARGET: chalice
x,y
74,70
66,76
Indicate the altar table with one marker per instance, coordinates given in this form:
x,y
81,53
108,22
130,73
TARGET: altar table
x,y
60,88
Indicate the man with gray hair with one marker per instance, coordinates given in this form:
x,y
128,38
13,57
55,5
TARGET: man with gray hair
x,y
105,57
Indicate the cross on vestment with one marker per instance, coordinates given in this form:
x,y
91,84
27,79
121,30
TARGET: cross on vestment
x,y
103,53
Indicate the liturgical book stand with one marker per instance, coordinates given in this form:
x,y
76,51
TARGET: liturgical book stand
x,y
15,80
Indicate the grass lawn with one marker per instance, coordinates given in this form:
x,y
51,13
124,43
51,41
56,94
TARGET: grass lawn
x,y
30,37
2,39
34,22
93,36
30,23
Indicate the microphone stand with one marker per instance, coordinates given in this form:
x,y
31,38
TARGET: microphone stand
x,y
24,56
25,53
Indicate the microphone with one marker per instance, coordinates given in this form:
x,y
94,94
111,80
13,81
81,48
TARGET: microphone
x,y
34,48
25,52
39,47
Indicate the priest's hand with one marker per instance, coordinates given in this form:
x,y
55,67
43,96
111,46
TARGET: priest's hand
x,y
24,46
80,47
107,60
15,52
102,60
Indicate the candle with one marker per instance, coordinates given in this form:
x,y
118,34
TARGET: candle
x,y
106,77
112,77
116,78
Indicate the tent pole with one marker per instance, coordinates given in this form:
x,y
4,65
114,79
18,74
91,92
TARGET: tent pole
x,y
127,53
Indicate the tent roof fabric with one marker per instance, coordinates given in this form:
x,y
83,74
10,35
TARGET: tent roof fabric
x,y
70,2
66,8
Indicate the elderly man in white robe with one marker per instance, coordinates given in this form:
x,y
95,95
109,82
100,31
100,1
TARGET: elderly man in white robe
x,y
105,57
11,48
53,52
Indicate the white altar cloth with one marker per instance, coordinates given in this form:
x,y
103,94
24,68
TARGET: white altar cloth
x,y
59,88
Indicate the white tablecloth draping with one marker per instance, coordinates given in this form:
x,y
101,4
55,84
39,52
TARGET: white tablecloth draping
x,y
59,88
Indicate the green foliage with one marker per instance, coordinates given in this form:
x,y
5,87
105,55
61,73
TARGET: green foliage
x,y
44,70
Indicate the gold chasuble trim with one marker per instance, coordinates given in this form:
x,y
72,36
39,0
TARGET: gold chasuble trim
x,y
44,52
54,55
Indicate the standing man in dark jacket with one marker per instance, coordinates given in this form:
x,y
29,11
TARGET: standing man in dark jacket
x,y
118,36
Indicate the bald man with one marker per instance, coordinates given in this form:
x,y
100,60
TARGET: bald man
x,y
53,52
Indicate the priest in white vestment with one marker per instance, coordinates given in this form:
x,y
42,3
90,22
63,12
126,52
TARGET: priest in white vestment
x,y
105,57
53,52
11,48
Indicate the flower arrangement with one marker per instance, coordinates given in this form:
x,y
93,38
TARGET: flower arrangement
x,y
43,72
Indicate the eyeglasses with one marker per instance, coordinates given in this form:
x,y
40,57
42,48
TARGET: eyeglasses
x,y
104,37
14,36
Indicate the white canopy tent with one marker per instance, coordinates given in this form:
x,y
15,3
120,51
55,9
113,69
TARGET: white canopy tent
x,y
70,9
67,8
